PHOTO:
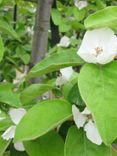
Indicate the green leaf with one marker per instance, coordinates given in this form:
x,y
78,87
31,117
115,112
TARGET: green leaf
x,y
77,144
44,147
7,95
5,121
100,4
6,28
98,86
103,18
22,54
64,27
34,91
54,62
1,49
71,91
3,145
79,14
42,118
56,16
1,1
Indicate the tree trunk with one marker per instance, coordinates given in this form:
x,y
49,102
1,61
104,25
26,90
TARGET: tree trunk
x,y
40,40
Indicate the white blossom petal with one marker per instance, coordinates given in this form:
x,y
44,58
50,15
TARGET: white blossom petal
x,y
98,46
86,111
80,4
92,133
16,114
9,133
66,72
19,146
78,117
60,81
64,42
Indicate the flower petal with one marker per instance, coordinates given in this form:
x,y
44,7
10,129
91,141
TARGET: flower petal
x,y
66,72
110,51
16,114
92,133
98,46
64,42
86,111
78,117
60,81
9,133
19,146
80,4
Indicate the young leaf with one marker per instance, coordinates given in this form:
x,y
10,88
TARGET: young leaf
x,y
98,86
34,91
77,144
56,16
103,18
54,62
42,118
44,147
1,49
7,95
6,28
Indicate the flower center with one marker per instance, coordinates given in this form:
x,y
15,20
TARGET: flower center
x,y
98,51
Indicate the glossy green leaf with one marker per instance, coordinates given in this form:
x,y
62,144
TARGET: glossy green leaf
x,y
3,145
6,28
34,91
103,18
42,118
77,144
1,49
54,62
56,16
50,144
7,95
98,86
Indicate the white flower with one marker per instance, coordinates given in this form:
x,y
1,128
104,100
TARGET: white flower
x,y
9,133
64,42
19,146
92,133
80,4
66,73
15,115
83,119
98,46
78,117
30,30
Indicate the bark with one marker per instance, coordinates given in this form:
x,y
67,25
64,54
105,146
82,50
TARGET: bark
x,y
40,40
